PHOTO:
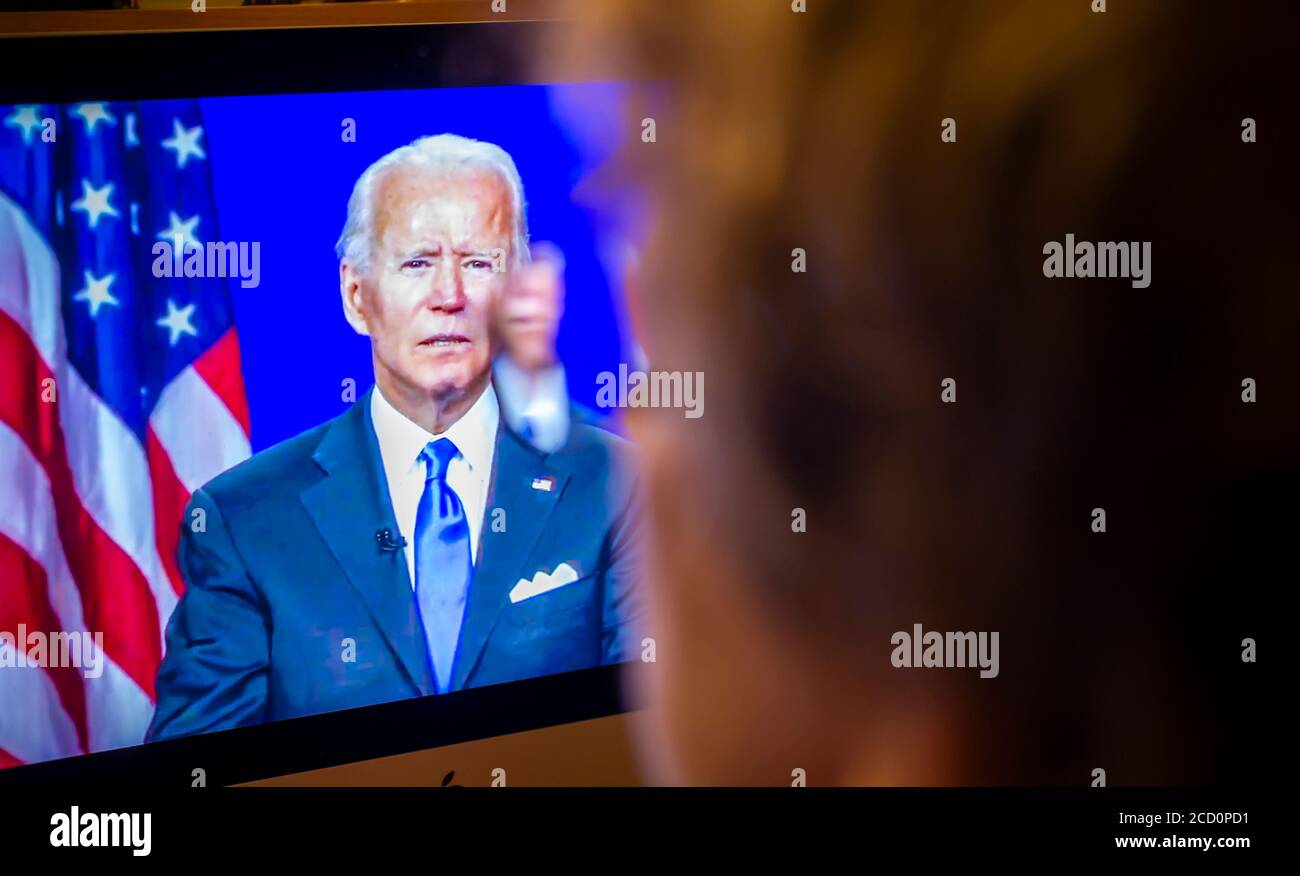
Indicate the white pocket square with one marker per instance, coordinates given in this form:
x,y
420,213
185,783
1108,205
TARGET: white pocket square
x,y
543,583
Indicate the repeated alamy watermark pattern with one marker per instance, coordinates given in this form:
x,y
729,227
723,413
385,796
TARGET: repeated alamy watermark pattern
x,y
1130,260
34,649
188,258
952,650
651,389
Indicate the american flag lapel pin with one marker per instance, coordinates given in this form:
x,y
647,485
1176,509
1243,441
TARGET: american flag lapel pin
x,y
545,484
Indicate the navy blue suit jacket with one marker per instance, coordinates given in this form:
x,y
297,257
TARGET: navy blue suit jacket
x,y
292,609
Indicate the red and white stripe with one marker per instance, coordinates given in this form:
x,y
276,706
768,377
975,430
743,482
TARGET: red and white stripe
x,y
90,517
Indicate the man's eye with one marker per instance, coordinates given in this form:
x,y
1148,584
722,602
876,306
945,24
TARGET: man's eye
x,y
479,264
415,263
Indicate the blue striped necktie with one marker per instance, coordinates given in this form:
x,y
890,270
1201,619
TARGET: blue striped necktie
x,y
443,563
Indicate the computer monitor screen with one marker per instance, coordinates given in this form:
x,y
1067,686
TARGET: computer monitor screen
x,y
311,402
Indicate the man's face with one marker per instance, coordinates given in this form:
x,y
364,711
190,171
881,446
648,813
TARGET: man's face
x,y
428,297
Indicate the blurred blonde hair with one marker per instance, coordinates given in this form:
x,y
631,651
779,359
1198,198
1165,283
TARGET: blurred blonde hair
x,y
820,130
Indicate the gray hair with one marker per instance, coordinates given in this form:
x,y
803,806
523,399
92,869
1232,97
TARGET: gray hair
x,y
439,152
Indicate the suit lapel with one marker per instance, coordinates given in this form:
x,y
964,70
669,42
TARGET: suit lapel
x,y
348,507
503,555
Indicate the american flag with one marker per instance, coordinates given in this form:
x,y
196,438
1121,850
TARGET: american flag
x,y
120,394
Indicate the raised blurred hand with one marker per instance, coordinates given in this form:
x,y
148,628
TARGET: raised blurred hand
x,y
531,310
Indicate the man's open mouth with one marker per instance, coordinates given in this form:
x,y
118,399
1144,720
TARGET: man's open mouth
x,y
444,340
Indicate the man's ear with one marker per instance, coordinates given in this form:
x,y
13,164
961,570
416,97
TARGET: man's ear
x,y
350,290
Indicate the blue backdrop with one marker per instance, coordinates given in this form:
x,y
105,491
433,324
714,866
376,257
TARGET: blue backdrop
x,y
282,174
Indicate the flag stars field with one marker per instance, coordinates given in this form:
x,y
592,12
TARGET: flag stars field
x,y
96,293
94,113
177,321
180,233
185,143
27,119
94,202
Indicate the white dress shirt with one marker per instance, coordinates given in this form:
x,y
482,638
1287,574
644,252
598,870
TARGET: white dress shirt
x,y
400,444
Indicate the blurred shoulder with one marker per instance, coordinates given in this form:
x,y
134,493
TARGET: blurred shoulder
x,y
594,438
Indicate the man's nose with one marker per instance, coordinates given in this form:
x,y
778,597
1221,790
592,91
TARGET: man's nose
x,y
448,292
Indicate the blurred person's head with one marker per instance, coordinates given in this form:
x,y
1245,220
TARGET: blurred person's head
x,y
821,131
419,270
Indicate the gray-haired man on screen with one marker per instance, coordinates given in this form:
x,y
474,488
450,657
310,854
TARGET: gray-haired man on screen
x,y
416,544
